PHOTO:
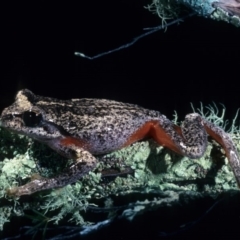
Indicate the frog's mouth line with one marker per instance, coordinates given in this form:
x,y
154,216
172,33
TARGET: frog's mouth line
x,y
4,122
43,132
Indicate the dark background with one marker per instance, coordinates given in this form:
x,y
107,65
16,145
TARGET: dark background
x,y
195,61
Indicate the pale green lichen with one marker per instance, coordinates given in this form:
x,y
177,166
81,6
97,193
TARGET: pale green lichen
x,y
165,9
222,15
158,172
171,9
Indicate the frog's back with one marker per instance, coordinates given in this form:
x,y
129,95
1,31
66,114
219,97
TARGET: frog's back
x,y
88,111
105,124
109,124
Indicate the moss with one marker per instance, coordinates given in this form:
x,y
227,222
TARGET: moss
x,y
159,177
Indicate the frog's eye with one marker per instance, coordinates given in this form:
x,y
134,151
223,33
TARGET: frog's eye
x,y
31,119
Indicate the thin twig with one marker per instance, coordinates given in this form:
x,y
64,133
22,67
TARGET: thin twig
x,y
153,30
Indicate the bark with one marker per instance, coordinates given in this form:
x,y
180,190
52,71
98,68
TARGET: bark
x,y
232,7
226,10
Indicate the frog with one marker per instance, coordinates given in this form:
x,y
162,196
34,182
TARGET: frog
x,y
81,129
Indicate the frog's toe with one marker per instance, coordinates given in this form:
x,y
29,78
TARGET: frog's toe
x,y
36,176
26,189
13,192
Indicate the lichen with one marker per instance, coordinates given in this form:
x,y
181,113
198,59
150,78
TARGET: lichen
x,y
222,15
157,172
172,9
165,9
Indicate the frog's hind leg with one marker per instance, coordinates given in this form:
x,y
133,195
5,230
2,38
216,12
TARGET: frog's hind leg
x,y
190,140
152,129
226,142
163,138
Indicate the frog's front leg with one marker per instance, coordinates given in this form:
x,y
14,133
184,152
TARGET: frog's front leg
x,y
84,162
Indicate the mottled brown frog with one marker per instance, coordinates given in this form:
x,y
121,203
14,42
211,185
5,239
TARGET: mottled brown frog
x,y
81,128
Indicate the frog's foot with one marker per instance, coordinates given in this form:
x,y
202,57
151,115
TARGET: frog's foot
x,y
36,176
84,162
35,186
26,189
14,192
